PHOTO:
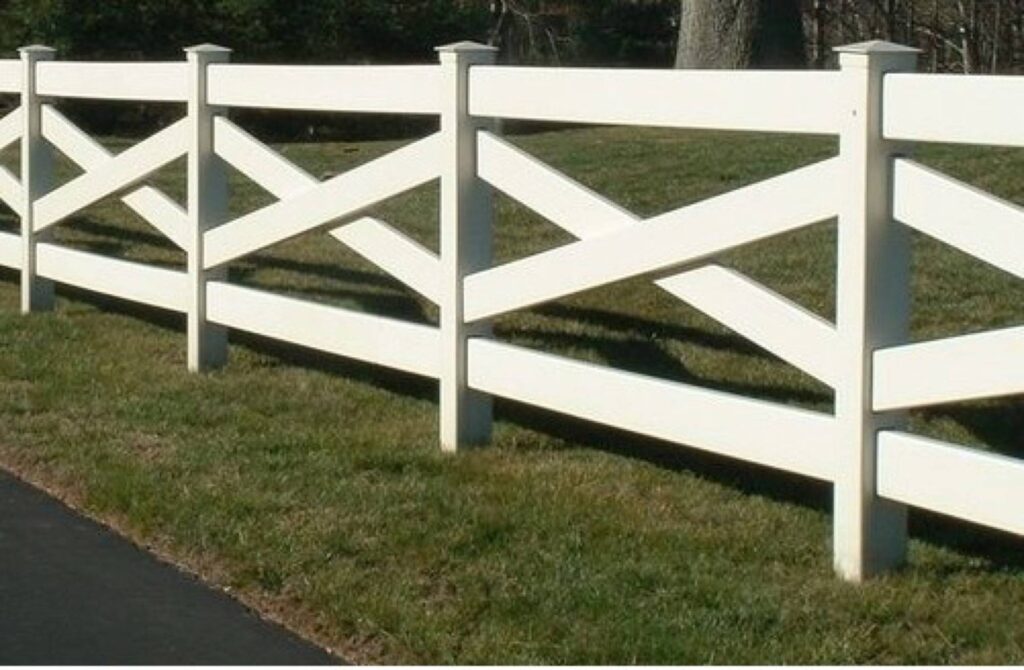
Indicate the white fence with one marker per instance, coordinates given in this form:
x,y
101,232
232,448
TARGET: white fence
x,y
871,104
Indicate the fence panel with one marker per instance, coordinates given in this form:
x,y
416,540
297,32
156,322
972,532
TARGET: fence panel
x,y
684,236
113,176
343,196
950,479
155,207
864,357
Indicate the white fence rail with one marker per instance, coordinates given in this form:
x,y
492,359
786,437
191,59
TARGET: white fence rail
x,y
872,104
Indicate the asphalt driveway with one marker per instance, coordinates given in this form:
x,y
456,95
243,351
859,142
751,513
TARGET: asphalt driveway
x,y
71,592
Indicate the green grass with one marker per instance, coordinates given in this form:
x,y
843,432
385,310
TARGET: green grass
x,y
314,488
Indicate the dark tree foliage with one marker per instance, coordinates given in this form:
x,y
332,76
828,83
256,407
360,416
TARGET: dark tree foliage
x,y
347,31
258,30
605,32
585,32
639,34
284,31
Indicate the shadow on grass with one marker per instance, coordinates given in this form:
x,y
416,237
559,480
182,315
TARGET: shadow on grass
x,y
285,353
391,300
114,242
9,223
261,261
999,550
115,238
633,324
750,478
998,424
648,358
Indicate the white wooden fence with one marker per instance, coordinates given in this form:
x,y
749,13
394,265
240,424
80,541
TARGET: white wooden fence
x,y
872,104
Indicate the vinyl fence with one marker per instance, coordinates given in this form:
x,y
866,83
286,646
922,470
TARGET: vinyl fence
x,y
874,104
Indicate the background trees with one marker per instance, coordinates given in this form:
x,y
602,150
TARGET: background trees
x,y
972,36
258,30
955,35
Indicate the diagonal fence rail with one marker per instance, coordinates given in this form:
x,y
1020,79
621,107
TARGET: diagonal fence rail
x,y
875,191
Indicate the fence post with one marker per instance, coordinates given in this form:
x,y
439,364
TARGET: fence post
x,y
466,221
872,310
36,180
207,207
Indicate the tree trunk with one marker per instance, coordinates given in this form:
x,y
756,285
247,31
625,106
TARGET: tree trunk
x,y
889,20
841,21
740,34
820,51
969,35
997,30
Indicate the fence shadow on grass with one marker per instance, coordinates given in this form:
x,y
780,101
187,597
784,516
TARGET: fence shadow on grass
x,y
389,299
999,424
630,323
997,550
115,236
645,357
114,240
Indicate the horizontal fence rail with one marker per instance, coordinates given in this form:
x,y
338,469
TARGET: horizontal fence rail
x,y
789,439
10,76
965,483
874,104
381,89
790,102
137,282
10,251
149,82
957,109
383,341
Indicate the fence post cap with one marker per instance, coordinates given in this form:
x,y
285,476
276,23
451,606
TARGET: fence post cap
x,y
465,47
207,48
872,47
36,50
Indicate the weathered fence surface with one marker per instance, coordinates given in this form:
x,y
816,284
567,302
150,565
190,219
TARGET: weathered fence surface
x,y
874,104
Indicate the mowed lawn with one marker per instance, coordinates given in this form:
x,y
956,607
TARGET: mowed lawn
x,y
314,489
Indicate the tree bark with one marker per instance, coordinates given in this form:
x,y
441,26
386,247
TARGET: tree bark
x,y
740,34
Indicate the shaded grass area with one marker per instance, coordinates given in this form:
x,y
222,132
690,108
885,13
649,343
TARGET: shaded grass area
x,y
314,488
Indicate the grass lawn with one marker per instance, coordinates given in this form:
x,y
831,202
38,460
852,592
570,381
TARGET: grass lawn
x,y
314,489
